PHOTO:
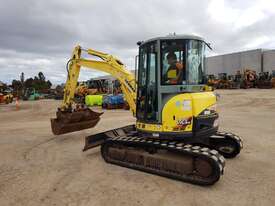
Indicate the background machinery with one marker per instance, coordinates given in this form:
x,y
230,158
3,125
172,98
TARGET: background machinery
x,y
99,86
82,91
273,78
6,95
249,78
212,81
264,80
223,81
113,101
233,82
176,133
31,94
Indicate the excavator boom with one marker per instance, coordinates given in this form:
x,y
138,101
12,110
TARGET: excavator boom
x,y
72,117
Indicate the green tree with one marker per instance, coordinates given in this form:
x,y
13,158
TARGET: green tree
x,y
17,87
29,83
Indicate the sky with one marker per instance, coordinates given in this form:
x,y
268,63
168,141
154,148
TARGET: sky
x,y
38,35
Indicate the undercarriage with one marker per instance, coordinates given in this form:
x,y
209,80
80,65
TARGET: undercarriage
x,y
199,164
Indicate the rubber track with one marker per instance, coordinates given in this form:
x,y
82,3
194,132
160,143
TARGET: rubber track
x,y
216,160
231,136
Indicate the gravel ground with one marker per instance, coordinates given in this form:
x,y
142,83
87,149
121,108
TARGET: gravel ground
x,y
37,168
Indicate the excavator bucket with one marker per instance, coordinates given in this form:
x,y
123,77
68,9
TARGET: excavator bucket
x,y
66,122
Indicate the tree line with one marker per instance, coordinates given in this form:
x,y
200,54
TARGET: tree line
x,y
39,83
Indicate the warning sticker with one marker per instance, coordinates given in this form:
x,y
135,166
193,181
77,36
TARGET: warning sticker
x,y
187,105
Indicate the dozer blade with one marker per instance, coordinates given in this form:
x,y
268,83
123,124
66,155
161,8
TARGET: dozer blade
x,y
66,122
95,140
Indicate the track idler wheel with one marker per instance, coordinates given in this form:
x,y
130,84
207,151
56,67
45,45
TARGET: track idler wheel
x,y
227,144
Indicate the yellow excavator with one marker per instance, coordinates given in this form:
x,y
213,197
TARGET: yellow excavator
x,y
176,132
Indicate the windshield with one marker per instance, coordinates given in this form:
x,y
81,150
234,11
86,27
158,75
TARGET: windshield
x,y
182,62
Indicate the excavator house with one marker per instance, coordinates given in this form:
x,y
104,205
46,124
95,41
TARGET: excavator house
x,y
176,132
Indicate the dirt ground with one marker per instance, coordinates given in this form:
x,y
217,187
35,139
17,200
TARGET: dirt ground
x,y
38,168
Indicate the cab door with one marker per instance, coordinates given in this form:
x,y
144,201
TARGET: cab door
x,y
147,96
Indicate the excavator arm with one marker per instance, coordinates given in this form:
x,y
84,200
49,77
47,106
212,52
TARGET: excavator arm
x,y
109,64
71,119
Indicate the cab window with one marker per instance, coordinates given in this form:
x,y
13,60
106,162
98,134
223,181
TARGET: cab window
x,y
173,62
147,87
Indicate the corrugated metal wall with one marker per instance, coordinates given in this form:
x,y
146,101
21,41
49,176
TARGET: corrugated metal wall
x,y
230,63
269,60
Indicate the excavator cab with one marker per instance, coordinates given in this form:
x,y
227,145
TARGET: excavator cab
x,y
171,90
168,66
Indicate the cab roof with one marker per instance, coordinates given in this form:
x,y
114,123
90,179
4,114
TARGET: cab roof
x,y
174,36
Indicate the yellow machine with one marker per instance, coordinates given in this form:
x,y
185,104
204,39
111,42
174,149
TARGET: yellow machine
x,y
5,95
176,133
6,98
